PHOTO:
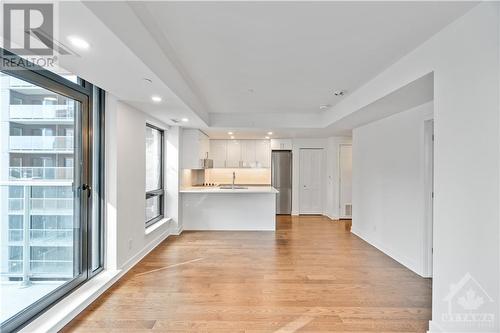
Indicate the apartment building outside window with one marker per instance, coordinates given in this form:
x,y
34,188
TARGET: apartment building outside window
x,y
50,176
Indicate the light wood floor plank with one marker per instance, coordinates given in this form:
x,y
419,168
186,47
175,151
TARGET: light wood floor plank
x,y
309,276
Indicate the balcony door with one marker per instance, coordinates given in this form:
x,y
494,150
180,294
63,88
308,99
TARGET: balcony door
x,y
45,201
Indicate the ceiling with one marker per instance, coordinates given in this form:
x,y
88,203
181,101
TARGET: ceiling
x,y
256,57
268,66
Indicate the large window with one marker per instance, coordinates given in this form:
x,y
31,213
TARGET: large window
x,y
50,190
154,175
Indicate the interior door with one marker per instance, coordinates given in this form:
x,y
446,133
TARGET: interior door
x,y
345,181
311,171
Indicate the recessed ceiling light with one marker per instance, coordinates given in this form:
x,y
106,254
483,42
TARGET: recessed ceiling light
x,y
78,42
232,137
267,137
324,106
230,133
269,133
156,99
185,120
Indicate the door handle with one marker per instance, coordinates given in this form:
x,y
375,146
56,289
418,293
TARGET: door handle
x,y
88,188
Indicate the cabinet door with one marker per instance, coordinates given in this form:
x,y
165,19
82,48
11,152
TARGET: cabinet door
x,y
248,153
218,153
263,153
191,150
233,154
204,146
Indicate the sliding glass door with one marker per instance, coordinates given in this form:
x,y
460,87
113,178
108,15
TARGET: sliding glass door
x,y
50,218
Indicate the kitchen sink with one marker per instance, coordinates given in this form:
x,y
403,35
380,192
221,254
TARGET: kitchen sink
x,y
230,187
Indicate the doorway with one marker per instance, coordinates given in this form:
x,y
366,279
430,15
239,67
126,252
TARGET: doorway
x,y
345,181
311,171
429,195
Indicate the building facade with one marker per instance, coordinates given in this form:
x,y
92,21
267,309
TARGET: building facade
x,y
36,183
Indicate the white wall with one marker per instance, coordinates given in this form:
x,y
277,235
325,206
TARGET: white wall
x,y
464,58
127,240
388,185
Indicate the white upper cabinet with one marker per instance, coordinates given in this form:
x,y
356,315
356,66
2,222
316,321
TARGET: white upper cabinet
x,y
281,144
218,153
233,154
195,148
240,153
248,159
263,153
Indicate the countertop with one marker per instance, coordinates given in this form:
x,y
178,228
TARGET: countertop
x,y
215,189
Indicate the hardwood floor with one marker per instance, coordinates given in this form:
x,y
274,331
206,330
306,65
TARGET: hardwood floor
x,y
309,276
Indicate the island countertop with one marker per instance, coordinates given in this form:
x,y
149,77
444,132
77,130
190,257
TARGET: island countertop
x,y
217,190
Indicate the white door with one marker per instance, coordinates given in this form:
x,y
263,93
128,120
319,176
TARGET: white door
x,y
345,181
311,171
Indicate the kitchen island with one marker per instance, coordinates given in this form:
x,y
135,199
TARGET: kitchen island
x,y
215,208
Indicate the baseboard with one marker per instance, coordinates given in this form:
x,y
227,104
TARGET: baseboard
x,y
335,218
145,250
54,319
403,260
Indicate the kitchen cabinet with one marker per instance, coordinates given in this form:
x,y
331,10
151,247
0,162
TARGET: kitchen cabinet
x,y
218,153
195,148
248,159
233,154
240,153
263,153
281,144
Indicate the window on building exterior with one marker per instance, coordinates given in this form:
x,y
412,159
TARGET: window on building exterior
x,y
154,175
49,245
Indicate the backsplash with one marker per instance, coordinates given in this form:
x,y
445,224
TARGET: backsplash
x,y
243,176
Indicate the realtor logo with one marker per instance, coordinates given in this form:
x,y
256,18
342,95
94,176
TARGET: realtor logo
x,y
28,28
468,305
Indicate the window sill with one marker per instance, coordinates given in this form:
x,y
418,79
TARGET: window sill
x,y
60,314
157,225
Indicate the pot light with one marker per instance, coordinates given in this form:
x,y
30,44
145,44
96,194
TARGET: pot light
x,y
78,42
156,99
230,133
184,120
269,133
325,106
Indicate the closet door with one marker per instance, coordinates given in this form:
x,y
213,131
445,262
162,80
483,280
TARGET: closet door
x,y
311,171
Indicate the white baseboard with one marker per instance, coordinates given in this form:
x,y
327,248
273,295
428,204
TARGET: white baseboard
x,y
403,260
335,218
69,307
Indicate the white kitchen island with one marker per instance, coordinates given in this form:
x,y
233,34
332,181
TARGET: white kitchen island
x,y
213,208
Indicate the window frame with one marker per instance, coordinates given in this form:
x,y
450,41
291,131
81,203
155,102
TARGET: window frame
x,y
160,193
82,92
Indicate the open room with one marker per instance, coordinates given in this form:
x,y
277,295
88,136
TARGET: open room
x,y
250,166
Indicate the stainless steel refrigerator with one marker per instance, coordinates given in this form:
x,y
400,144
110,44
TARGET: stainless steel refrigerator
x,y
281,174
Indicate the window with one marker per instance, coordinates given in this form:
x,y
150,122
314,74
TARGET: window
x,y
154,175
52,236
